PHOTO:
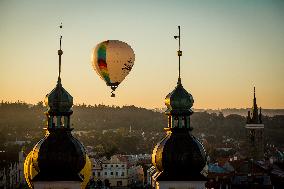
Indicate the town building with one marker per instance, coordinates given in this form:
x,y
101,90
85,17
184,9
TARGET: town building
x,y
11,170
113,171
136,176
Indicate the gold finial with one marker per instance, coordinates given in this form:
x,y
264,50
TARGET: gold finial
x,y
179,54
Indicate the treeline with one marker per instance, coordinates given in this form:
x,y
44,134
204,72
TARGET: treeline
x,y
19,118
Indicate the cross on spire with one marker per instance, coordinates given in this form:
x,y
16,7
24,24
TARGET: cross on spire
x,y
60,52
179,54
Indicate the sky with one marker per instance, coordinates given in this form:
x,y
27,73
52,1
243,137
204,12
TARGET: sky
x,y
228,48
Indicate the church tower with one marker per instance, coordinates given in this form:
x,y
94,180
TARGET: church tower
x,y
255,130
179,158
58,160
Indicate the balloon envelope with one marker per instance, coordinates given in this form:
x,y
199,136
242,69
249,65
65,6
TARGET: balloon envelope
x,y
113,60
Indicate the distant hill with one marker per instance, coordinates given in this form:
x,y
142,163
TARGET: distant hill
x,y
18,119
243,111
228,111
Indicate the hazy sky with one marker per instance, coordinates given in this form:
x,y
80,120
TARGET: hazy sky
x,y
228,47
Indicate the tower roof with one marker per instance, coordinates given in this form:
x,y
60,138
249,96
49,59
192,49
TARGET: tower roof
x,y
179,101
59,101
179,156
59,156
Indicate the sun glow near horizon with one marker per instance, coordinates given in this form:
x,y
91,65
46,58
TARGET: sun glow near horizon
x,y
228,48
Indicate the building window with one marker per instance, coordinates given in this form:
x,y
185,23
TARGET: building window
x,y
119,183
99,174
111,173
122,165
105,165
116,165
116,173
111,165
105,173
122,173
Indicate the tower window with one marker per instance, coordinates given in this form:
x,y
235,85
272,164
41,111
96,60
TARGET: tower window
x,y
175,121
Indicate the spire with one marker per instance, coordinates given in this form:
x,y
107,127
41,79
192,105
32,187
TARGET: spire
x,y
254,99
255,117
179,156
60,52
179,54
260,116
59,156
179,101
59,101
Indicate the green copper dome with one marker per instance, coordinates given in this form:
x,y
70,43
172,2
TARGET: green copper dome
x,y
179,100
59,100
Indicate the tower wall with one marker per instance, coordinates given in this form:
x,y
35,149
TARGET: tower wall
x,y
255,137
57,185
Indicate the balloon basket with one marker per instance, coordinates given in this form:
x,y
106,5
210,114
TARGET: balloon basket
x,y
112,94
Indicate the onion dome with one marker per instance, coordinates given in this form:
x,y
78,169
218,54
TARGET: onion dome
x,y
179,156
179,101
59,100
58,157
31,172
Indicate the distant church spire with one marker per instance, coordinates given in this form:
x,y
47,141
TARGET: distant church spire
x,y
254,99
255,132
255,117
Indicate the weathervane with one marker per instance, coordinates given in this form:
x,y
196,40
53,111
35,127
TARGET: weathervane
x,y
179,53
60,52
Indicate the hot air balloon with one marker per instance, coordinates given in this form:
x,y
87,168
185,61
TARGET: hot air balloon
x,y
113,60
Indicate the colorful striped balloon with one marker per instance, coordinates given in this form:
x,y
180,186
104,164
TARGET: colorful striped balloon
x,y
113,60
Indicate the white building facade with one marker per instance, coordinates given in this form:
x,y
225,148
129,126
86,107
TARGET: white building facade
x,y
114,170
